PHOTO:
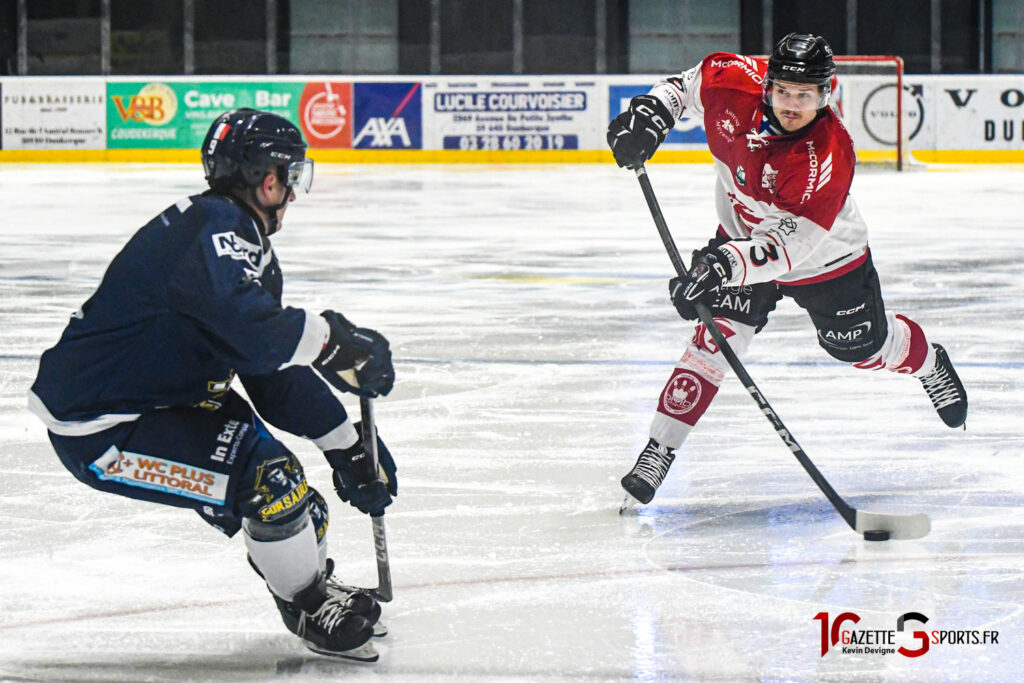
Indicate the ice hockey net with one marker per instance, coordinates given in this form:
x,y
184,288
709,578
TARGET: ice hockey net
x,y
880,111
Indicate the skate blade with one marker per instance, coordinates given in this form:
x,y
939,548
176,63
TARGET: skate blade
x,y
379,630
629,504
364,653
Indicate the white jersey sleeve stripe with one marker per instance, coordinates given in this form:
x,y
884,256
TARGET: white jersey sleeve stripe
x,y
681,94
315,332
75,427
342,436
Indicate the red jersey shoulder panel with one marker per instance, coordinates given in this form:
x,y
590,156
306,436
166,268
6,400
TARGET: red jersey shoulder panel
x,y
732,72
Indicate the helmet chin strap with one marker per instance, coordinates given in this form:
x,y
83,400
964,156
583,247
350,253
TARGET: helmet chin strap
x,y
270,212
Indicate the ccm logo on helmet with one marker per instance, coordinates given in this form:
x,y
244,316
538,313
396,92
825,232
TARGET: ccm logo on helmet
x,y
787,67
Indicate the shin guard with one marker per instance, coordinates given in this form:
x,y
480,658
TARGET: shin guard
x,y
695,381
287,562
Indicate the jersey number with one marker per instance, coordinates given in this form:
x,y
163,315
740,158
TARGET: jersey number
x,y
761,255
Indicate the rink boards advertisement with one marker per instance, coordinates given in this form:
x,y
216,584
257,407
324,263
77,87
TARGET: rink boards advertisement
x,y
466,119
52,113
529,114
963,116
177,115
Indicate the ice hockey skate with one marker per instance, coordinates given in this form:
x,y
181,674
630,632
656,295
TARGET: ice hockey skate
x,y
326,625
946,390
356,600
649,471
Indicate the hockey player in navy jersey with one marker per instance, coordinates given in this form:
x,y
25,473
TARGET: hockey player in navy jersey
x,y
787,227
137,393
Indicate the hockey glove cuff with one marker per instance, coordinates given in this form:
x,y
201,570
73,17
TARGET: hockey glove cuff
x,y
708,271
355,359
356,481
635,134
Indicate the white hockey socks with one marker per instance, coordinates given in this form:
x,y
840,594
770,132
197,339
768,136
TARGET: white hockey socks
x,y
695,381
906,349
321,552
289,564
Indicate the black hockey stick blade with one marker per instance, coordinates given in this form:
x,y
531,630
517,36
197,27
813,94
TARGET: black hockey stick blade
x,y
900,527
383,591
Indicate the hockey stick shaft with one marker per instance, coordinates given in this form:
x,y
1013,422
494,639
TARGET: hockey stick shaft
x,y
380,541
848,513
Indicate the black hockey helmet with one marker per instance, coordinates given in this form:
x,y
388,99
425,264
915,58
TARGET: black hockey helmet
x,y
801,58
243,144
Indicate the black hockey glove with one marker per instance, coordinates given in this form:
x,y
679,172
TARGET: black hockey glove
x,y
635,134
356,482
355,359
708,270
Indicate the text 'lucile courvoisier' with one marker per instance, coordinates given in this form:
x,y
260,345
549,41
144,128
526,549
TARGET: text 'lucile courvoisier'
x,y
510,101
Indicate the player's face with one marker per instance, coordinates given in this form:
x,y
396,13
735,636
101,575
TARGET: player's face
x,y
794,104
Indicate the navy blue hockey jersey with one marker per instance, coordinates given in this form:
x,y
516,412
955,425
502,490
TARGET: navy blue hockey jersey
x,y
192,299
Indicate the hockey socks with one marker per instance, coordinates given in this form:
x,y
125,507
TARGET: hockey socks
x,y
287,564
694,382
684,399
906,351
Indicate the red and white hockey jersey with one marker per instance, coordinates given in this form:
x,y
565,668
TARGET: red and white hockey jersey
x,y
783,200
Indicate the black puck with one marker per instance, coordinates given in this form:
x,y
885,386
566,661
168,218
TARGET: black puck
x,y
876,535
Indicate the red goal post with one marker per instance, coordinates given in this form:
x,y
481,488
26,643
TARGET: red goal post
x,y
858,106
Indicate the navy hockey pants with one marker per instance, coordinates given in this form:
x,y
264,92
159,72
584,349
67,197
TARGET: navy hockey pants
x,y
222,463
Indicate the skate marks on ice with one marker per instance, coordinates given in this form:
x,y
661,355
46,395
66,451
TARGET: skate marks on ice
x,y
532,331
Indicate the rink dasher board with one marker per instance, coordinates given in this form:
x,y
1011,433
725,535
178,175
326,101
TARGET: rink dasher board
x,y
487,119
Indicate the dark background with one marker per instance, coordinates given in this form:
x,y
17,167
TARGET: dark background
x,y
493,36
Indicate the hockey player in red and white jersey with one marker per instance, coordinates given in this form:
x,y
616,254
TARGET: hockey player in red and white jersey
x,y
787,227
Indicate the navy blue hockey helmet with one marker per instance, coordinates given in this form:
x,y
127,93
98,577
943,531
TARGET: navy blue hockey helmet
x,y
243,144
802,58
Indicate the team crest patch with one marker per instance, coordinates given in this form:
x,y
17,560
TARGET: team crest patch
x,y
158,474
282,486
728,125
681,394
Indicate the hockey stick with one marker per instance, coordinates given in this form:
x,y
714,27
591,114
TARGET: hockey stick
x,y
895,526
380,542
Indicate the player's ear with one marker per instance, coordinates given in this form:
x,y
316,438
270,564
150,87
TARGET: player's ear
x,y
269,182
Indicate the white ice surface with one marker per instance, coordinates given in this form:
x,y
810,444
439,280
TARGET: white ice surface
x,y
528,312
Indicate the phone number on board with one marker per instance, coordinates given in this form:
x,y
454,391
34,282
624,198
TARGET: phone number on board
x,y
510,142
